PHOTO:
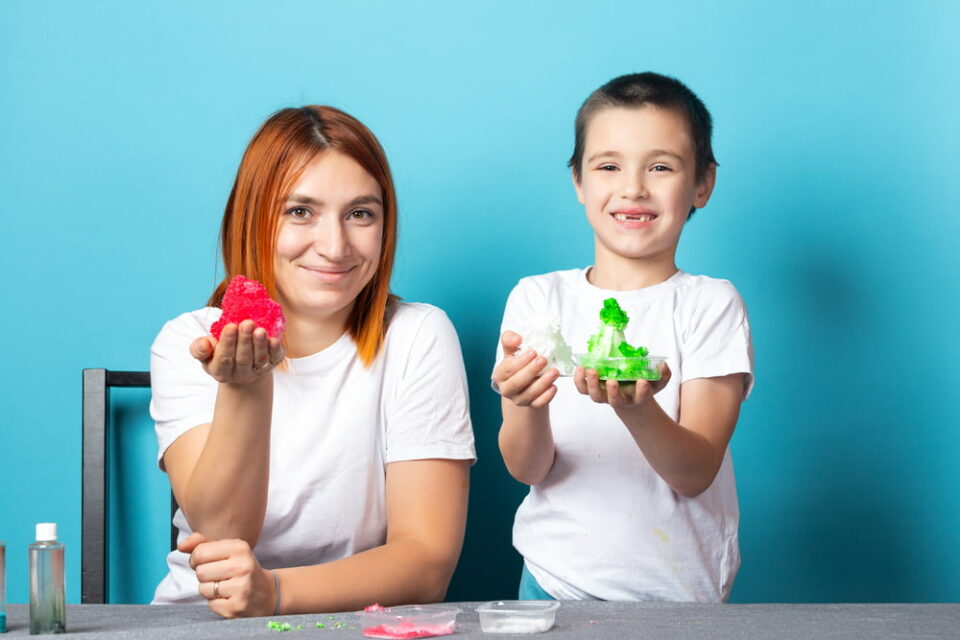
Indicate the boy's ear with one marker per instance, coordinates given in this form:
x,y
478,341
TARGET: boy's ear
x,y
577,187
705,186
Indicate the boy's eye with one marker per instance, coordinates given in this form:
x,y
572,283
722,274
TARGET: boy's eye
x,y
607,167
660,167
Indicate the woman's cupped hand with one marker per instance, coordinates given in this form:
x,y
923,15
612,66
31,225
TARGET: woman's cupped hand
x,y
243,354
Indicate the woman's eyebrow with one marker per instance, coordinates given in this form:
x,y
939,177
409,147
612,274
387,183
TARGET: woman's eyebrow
x,y
364,199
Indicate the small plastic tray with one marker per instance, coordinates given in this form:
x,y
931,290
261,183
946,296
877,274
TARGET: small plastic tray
x,y
410,621
518,616
636,368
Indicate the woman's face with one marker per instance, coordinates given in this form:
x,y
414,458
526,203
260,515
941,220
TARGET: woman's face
x,y
329,239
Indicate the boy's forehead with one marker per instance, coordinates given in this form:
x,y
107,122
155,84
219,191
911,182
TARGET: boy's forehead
x,y
633,129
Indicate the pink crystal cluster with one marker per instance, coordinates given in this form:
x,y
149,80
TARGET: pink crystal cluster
x,y
248,300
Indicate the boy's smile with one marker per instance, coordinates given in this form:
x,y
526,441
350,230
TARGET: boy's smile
x,y
638,184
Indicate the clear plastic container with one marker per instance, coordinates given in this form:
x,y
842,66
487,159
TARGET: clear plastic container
x,y
518,616
410,621
625,369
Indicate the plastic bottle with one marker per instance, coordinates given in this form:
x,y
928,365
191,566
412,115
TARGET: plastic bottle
x,y
48,611
3,587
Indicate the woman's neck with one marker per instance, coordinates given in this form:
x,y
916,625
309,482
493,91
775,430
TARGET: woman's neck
x,y
306,336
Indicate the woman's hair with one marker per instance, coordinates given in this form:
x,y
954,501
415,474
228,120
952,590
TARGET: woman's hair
x,y
271,166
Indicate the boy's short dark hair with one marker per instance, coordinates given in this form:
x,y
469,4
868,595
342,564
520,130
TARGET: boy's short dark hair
x,y
639,89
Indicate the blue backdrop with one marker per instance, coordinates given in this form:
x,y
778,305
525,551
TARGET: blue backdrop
x,y
121,126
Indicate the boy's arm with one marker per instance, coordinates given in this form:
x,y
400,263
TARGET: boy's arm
x,y
526,441
686,454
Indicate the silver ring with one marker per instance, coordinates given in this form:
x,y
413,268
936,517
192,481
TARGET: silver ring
x,y
216,589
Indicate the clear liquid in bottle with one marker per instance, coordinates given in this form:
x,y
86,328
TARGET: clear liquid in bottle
x,y
48,611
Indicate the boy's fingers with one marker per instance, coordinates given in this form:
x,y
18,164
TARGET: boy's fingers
x,y
512,365
580,380
511,342
594,389
536,388
545,397
614,397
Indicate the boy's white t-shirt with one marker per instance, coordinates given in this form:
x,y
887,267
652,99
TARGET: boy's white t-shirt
x,y
602,524
335,426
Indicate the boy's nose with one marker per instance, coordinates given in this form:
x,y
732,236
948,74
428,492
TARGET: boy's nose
x,y
633,187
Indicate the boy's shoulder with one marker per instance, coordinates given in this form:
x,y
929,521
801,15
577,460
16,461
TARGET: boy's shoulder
x,y
707,285
551,281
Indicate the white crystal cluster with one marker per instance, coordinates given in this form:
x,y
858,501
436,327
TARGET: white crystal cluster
x,y
544,337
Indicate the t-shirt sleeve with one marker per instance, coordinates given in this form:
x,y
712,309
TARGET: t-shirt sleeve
x,y
717,341
183,394
429,412
517,314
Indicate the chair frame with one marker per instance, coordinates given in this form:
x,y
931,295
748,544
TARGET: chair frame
x,y
94,561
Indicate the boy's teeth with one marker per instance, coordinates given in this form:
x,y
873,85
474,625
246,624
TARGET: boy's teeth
x,y
624,217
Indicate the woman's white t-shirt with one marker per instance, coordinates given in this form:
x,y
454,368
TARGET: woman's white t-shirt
x,y
335,426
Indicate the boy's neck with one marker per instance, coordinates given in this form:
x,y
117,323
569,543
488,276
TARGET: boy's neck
x,y
622,274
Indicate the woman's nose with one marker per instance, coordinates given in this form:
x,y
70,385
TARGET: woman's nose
x,y
330,240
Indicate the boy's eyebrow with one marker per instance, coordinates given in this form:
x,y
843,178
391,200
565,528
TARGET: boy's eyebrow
x,y
364,199
617,154
603,154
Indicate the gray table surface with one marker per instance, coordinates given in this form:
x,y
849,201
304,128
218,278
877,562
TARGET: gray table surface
x,y
574,620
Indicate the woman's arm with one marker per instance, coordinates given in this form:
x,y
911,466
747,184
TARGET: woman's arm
x,y
426,504
219,471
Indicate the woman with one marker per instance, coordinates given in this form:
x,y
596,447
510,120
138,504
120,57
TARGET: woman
x,y
326,470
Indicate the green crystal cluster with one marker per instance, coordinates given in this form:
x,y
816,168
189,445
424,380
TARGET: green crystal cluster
x,y
609,353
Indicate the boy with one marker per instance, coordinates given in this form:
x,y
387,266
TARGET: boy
x,y
632,497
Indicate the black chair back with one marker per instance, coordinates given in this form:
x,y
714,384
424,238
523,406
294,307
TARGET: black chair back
x,y
94,562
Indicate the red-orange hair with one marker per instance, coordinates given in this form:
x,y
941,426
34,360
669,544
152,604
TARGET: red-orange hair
x,y
271,166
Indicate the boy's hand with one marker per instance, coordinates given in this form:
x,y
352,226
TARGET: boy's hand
x,y
519,378
627,397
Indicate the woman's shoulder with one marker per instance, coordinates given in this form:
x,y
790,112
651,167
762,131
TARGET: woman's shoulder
x,y
406,317
187,327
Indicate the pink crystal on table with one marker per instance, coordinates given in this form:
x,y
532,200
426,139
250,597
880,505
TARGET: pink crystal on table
x,y
248,300
407,629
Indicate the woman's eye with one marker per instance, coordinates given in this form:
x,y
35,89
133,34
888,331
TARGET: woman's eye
x,y
299,212
360,214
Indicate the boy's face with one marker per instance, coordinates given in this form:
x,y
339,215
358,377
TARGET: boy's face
x,y
638,182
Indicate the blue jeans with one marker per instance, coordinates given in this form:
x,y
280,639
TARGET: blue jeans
x,y
530,589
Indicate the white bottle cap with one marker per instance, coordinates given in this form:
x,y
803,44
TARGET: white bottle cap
x,y
46,531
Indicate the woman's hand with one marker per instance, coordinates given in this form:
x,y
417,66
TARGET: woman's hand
x,y
519,378
231,579
625,398
243,354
